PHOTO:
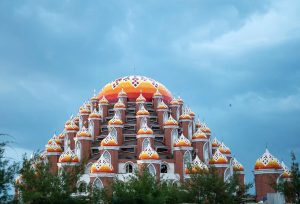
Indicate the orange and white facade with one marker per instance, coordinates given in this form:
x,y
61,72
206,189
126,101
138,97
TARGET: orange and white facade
x,y
134,123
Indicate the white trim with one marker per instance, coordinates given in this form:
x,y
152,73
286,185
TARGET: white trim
x,y
142,116
83,138
148,161
269,171
94,118
71,131
102,175
62,164
162,110
171,126
145,136
108,147
53,153
183,148
199,140
111,126
116,109
185,120
220,165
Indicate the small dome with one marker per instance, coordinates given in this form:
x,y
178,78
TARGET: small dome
x,y
145,130
83,133
148,154
171,122
94,98
215,143
199,134
205,129
161,105
185,115
103,101
157,94
141,99
191,113
109,140
174,102
72,127
224,149
56,139
122,93
119,104
61,136
53,147
95,114
68,157
115,121
142,111
180,101
267,161
286,172
198,124
182,141
197,166
218,158
102,165
84,110
76,119
237,166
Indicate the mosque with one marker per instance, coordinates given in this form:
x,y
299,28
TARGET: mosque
x,y
135,122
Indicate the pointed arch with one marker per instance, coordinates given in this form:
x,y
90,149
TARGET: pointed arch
x,y
177,113
87,169
151,169
80,122
164,168
143,122
78,149
174,137
145,143
107,156
206,152
98,183
187,160
91,128
113,132
129,167
190,131
66,143
165,116
227,174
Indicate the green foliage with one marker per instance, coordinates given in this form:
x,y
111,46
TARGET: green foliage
x,y
291,188
7,173
39,185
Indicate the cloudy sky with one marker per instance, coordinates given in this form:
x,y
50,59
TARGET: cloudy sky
x,y
211,53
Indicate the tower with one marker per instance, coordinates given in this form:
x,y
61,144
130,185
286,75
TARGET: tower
x,y
201,145
175,112
239,170
220,162
83,142
186,124
170,132
53,151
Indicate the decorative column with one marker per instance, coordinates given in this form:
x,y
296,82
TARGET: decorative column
x,y
162,113
220,162
186,124
200,145
239,170
120,108
94,101
71,131
116,124
84,116
175,112
215,145
141,115
139,101
67,161
149,158
157,97
225,151
182,155
144,137
94,124
180,101
170,126
53,151
85,140
103,108
122,96
267,170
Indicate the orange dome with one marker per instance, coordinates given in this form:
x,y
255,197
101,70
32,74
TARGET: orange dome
x,y
267,161
119,104
198,124
185,117
215,142
180,101
218,158
133,86
103,101
115,121
145,131
237,166
84,110
53,147
72,127
56,139
140,99
148,154
199,134
224,149
205,129
161,105
61,136
109,140
286,172
174,102
83,133
182,141
171,122
142,111
102,166
197,166
157,94
95,114
68,156
122,93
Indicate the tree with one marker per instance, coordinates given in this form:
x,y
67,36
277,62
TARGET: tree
x,y
7,173
39,185
291,187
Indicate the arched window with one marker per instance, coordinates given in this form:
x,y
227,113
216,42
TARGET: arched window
x,y
82,187
143,122
88,168
145,144
101,110
165,116
152,170
177,113
190,131
78,150
187,159
206,152
118,114
128,168
97,184
80,122
174,137
164,168
227,174
91,128
66,142
107,156
113,132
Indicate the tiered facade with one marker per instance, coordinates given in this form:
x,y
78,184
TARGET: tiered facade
x,y
135,122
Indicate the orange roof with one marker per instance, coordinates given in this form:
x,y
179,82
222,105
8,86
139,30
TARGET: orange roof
x,y
115,121
53,147
237,166
218,158
102,166
171,122
145,130
119,104
133,86
83,133
215,142
109,140
95,114
267,161
182,141
142,111
197,166
68,156
72,127
148,154
162,105
224,149
199,134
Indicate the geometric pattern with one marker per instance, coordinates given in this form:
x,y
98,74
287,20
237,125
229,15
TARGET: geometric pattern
x,y
237,166
182,141
102,166
148,154
218,158
267,161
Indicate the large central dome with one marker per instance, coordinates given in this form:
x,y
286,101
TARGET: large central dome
x,y
133,86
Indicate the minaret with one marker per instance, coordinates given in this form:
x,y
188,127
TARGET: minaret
x,y
192,114
53,151
170,132
174,106
110,144
162,112
102,172
84,116
180,101
149,158
121,109
116,124
157,96
239,170
186,124
215,145
200,144
94,124
225,151
141,114
103,108
83,143
94,101
220,162
197,166
122,96
139,101
267,170
182,155
68,160
71,131
144,137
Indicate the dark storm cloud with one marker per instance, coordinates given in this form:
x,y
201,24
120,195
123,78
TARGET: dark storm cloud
x,y
244,53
